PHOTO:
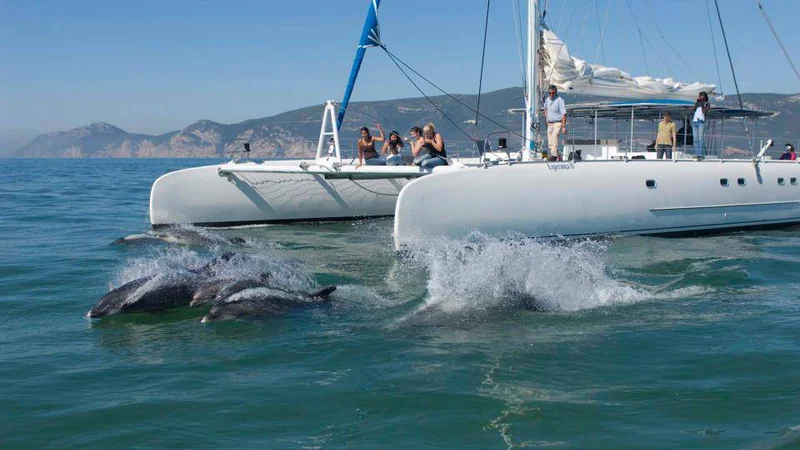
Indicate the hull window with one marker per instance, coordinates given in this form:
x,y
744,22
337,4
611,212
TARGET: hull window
x,y
741,181
793,180
781,181
651,184
723,182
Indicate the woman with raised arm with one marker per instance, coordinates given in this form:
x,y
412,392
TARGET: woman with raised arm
x,y
366,148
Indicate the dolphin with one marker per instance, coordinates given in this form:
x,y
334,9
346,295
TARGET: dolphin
x,y
220,289
152,293
110,303
210,290
180,236
261,302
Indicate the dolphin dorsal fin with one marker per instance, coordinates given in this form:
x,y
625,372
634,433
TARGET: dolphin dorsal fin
x,y
323,293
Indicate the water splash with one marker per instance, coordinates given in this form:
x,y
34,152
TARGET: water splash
x,y
484,274
285,273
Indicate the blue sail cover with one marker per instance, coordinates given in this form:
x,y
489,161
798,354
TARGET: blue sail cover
x,y
370,37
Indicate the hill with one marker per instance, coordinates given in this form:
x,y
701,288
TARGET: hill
x,y
295,133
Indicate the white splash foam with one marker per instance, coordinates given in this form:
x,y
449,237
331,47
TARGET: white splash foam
x,y
487,273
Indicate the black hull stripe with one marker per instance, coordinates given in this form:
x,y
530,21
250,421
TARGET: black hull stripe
x,y
267,222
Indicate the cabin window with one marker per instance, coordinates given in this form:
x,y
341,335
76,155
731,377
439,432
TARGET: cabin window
x,y
651,184
793,180
781,181
723,182
741,181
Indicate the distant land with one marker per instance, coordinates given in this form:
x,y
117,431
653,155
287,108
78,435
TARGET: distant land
x,y
295,133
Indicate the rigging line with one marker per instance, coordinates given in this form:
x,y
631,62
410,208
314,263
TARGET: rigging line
x,y
602,31
583,27
733,73
641,36
424,95
774,33
714,44
483,60
569,25
572,16
561,16
661,34
658,55
518,23
395,59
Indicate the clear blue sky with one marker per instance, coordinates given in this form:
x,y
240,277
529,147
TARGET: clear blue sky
x,y
155,66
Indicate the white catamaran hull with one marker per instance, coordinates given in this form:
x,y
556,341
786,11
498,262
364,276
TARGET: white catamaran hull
x,y
598,198
275,192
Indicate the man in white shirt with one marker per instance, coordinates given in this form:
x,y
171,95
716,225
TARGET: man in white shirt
x,y
555,112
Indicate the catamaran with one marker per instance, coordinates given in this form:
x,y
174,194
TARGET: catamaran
x,y
599,196
246,192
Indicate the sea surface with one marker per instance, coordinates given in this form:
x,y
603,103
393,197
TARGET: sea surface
x,y
633,343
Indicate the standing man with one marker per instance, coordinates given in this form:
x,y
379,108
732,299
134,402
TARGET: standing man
x,y
555,111
666,140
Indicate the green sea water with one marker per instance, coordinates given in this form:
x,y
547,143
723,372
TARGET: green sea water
x,y
642,342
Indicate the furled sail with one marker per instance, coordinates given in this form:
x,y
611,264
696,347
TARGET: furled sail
x,y
370,37
570,74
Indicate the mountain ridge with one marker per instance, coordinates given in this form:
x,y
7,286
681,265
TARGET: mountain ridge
x,y
294,133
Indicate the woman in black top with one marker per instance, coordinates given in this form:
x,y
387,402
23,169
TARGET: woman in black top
x,y
433,146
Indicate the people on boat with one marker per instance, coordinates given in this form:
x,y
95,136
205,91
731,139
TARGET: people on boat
x,y
366,147
431,152
392,148
666,139
789,153
701,108
416,144
555,112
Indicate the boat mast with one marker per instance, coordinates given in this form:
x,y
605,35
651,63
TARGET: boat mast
x,y
532,95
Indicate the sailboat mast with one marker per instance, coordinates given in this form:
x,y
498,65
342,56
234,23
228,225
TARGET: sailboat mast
x,y
532,94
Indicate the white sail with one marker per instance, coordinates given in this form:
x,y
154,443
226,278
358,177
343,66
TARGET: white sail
x,y
574,75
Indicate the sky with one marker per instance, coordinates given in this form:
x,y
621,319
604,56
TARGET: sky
x,y
152,67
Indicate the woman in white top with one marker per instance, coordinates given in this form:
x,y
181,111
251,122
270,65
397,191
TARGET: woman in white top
x,y
701,108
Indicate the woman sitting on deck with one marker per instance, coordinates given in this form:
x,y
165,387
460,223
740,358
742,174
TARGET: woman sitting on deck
x,y
392,148
366,148
433,145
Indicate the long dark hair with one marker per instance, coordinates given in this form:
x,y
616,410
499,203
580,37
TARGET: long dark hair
x,y
394,145
369,135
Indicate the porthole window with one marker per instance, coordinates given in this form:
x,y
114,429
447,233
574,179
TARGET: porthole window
x,y
651,184
781,181
741,181
793,180
723,182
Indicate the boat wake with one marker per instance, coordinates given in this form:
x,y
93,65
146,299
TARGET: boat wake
x,y
489,274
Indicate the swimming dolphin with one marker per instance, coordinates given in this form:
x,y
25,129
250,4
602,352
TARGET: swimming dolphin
x,y
156,292
147,294
260,302
224,288
181,236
